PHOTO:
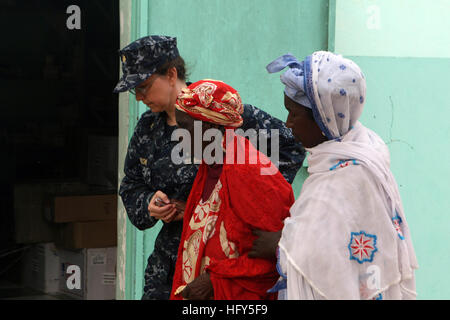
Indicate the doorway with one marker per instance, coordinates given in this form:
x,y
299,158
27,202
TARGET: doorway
x,y
58,119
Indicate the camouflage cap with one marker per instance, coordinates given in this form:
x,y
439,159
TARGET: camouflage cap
x,y
141,58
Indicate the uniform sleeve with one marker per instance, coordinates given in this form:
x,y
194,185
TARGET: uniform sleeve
x,y
135,193
291,153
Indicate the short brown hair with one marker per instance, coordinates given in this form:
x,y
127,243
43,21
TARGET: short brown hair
x,y
177,63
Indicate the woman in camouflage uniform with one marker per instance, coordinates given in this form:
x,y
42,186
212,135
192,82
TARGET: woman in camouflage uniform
x,y
154,71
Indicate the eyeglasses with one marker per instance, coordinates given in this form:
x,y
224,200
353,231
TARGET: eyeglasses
x,y
142,90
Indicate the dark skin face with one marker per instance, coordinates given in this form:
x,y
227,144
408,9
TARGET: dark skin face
x,y
301,121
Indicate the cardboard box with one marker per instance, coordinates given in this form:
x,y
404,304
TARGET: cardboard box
x,y
94,234
41,268
88,274
61,209
30,223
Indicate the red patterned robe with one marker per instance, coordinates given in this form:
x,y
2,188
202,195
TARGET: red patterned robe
x,y
217,232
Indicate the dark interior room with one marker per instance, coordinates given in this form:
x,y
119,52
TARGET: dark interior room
x,y
58,121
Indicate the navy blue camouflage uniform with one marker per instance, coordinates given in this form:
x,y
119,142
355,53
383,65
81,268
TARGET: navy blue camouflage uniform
x,y
148,166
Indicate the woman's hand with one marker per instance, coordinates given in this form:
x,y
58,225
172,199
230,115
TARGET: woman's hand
x,y
161,208
199,289
265,245
181,206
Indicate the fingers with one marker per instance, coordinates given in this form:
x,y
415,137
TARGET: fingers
x,y
200,288
165,213
159,199
170,216
185,293
165,209
162,195
160,211
180,205
156,210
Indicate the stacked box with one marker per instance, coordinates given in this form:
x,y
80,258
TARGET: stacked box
x,y
88,274
88,221
40,268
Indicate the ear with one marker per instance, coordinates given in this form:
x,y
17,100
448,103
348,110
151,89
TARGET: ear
x,y
172,75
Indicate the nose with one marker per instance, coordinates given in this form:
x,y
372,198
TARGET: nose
x,y
139,97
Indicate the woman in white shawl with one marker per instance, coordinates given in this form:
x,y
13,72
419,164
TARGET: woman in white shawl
x,y
347,237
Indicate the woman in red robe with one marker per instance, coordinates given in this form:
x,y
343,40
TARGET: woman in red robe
x,y
226,203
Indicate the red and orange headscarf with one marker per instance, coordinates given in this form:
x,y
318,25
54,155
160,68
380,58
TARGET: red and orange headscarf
x,y
212,101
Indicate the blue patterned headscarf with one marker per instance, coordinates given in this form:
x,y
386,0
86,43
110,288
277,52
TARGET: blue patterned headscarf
x,y
334,86
293,79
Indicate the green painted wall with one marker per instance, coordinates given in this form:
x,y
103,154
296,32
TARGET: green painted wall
x,y
396,28
411,114
408,105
